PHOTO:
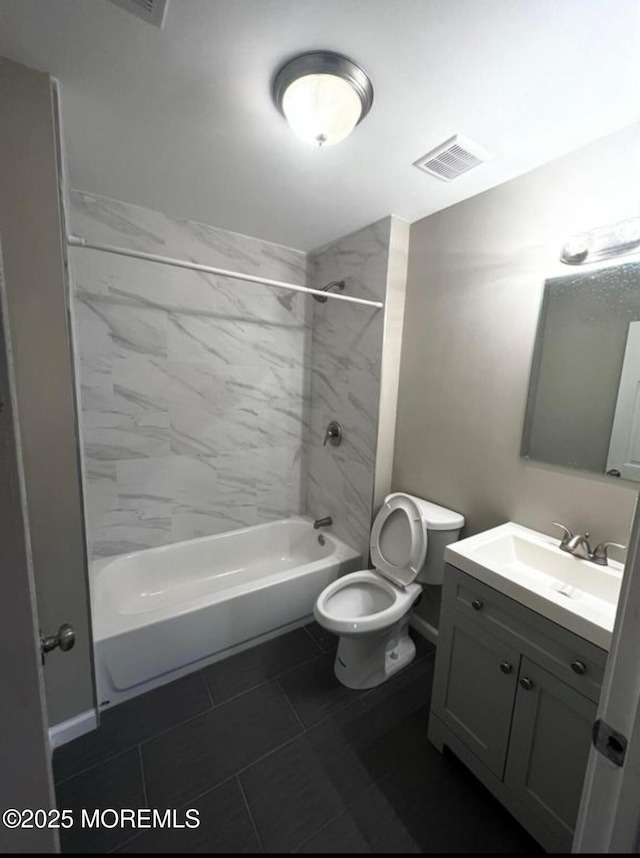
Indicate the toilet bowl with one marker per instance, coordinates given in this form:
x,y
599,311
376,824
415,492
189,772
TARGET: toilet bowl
x,y
370,610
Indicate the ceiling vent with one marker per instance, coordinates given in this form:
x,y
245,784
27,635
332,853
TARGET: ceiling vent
x,y
452,158
151,11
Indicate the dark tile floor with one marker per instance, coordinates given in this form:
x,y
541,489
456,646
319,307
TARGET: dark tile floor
x,y
277,756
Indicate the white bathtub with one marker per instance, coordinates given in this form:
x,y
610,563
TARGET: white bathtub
x,y
162,612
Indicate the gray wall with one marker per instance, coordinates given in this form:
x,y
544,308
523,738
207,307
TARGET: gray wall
x,y
583,340
194,388
476,274
346,374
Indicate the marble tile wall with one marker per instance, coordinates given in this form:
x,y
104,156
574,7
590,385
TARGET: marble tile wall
x,y
194,388
345,381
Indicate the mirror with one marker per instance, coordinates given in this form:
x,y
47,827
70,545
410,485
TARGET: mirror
x,y
583,409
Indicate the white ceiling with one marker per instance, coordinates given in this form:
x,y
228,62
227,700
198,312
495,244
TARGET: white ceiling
x,y
181,119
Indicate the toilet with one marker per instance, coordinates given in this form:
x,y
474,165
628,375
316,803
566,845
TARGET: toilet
x,y
370,610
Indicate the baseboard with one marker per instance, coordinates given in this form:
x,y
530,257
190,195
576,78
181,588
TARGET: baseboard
x,y
77,726
425,629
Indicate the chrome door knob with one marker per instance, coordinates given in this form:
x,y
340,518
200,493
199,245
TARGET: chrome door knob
x,y
64,640
526,683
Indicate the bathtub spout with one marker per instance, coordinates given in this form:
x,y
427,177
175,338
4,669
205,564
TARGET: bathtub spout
x,y
327,521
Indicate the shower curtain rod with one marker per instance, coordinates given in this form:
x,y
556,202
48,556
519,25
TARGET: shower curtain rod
x,y
76,241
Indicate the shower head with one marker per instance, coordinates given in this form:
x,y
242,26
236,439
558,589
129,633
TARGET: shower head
x,y
335,284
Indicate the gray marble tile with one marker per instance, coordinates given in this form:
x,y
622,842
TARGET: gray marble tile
x,y
109,329
111,435
100,492
113,222
345,382
190,525
218,341
187,483
96,383
122,531
200,393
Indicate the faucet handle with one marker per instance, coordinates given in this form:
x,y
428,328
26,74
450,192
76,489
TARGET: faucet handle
x,y
600,552
566,536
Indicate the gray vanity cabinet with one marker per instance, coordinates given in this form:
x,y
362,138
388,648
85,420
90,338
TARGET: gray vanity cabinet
x,y
475,689
515,698
549,746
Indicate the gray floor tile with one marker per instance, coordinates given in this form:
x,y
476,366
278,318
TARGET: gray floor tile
x,y
225,826
361,777
244,671
192,758
341,835
290,795
326,641
133,722
435,803
410,688
379,822
314,691
343,760
115,784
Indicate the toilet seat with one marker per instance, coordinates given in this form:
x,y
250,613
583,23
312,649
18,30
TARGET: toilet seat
x,y
363,602
398,541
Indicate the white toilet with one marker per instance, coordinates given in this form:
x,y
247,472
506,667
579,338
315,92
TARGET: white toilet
x,y
370,610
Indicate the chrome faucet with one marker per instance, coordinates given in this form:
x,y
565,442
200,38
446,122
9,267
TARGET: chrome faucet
x,y
327,521
578,546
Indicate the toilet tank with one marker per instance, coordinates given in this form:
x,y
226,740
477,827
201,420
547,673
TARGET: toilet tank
x,y
443,527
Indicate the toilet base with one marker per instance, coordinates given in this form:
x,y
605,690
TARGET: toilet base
x,y
365,661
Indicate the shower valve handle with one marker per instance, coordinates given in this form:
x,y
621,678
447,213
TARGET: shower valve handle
x,y
333,434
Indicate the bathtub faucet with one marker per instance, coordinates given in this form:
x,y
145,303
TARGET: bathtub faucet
x,y
327,521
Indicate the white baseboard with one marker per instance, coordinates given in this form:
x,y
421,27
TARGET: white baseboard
x,y
77,726
425,629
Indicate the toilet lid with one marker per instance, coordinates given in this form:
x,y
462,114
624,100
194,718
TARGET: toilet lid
x,y
399,540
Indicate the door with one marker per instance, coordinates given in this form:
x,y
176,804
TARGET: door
x,y
624,446
549,748
25,770
609,818
37,317
475,687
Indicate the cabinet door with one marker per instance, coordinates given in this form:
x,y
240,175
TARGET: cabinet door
x,y
475,686
549,747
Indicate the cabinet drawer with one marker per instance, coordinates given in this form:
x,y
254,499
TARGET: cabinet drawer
x,y
572,659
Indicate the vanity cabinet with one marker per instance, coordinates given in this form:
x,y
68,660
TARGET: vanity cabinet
x,y
515,697
548,747
476,681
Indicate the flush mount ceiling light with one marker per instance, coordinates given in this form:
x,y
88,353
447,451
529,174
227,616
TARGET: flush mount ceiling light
x,y
323,96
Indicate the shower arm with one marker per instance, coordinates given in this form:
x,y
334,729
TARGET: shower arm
x,y
334,284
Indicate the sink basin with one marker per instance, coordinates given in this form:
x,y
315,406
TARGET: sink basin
x,y
530,568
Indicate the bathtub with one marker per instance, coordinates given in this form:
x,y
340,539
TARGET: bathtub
x,y
163,612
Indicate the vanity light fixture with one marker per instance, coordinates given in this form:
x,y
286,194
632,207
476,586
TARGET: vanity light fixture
x,y
323,96
603,242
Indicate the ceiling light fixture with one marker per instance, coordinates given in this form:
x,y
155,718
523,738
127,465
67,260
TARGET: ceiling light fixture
x,y
323,96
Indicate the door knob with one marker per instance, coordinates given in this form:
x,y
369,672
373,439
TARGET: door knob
x,y
526,683
578,667
505,667
64,640
476,605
